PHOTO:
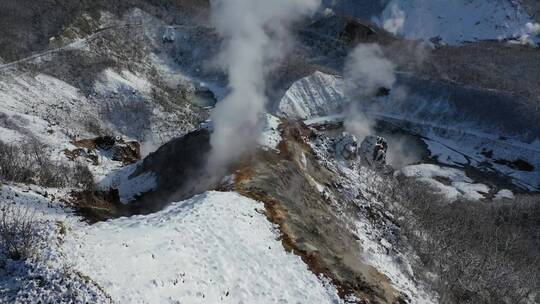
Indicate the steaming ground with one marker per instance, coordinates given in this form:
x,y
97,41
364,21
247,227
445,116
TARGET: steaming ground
x,y
147,72
255,38
366,72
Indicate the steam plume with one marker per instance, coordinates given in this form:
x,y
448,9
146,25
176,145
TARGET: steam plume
x,y
255,38
395,23
366,71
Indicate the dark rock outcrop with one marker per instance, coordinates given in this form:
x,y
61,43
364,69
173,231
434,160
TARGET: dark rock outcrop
x,y
180,170
373,151
127,152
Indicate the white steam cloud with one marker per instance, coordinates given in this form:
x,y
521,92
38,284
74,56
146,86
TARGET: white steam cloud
x,y
395,23
533,28
358,124
366,71
255,39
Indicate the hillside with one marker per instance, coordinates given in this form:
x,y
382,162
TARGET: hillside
x,y
291,151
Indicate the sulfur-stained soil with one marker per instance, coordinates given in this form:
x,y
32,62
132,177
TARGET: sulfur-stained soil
x,y
310,224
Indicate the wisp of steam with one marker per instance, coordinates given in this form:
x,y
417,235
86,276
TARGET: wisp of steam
x,y
254,36
366,71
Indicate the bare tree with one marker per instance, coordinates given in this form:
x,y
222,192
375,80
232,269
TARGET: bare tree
x,y
480,251
17,232
29,163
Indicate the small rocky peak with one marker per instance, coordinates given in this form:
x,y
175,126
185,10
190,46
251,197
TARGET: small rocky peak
x,y
372,151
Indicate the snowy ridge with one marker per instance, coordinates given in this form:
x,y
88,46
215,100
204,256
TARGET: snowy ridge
x,y
213,248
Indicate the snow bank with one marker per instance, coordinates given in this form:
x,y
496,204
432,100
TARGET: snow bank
x,y
504,194
452,183
213,248
455,21
129,188
136,186
318,94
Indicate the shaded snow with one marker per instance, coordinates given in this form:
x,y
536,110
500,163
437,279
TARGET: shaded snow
x,y
213,248
455,21
136,186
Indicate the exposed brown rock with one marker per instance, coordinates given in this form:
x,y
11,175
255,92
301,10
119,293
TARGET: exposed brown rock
x,y
95,206
127,152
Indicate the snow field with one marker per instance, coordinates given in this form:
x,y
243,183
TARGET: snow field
x,y
213,248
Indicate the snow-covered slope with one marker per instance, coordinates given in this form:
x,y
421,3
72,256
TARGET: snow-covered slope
x,y
318,94
41,102
120,101
46,277
119,81
214,248
455,21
